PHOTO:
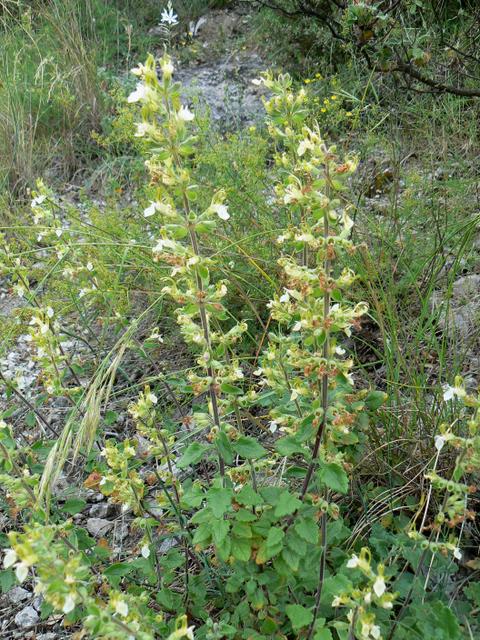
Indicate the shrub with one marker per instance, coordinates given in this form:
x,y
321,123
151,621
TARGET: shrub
x,y
244,505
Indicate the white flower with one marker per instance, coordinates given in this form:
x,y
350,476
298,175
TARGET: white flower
x,y
49,312
150,210
304,145
273,426
185,114
439,442
339,351
58,232
167,67
257,81
221,210
368,597
337,602
140,70
121,608
285,297
457,553
152,398
10,558
21,571
353,562
375,631
450,392
38,200
169,244
69,604
379,586
139,93
89,266
168,16
145,551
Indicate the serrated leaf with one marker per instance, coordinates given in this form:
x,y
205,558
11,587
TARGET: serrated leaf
x,y
193,454
333,476
220,530
299,616
287,504
230,389
247,496
241,549
307,529
241,530
73,506
291,558
274,537
249,448
288,446
224,447
219,500
245,516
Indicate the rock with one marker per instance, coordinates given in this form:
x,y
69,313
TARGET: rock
x,y
166,545
98,527
462,309
27,617
17,594
47,636
103,510
37,603
121,531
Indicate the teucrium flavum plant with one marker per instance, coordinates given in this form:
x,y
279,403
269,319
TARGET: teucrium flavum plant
x,y
237,491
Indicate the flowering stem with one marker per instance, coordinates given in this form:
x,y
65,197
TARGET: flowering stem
x,y
206,335
325,353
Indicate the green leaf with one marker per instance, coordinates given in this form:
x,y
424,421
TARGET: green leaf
x,y
219,500
287,504
247,496
334,477
288,446
375,399
193,454
115,572
323,634
220,530
230,389
243,515
274,538
291,558
169,599
224,447
307,529
73,506
110,417
299,616
241,549
202,534
241,530
7,580
30,419
248,447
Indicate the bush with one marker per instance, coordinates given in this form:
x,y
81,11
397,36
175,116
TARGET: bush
x,y
243,466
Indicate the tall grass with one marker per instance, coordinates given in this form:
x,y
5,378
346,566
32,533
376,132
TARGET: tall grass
x,y
51,94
